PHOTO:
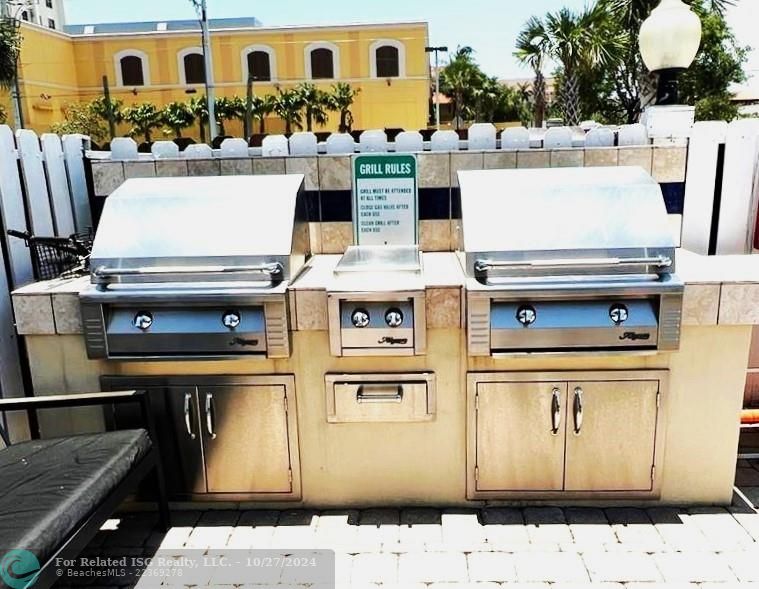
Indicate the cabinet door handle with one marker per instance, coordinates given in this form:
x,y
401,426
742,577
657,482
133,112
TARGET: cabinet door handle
x,y
556,411
385,394
187,418
209,415
578,409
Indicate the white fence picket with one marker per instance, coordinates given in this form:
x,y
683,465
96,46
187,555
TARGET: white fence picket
x,y
741,151
58,184
11,382
41,217
12,210
73,153
701,177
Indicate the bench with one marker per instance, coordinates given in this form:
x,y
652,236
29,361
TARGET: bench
x,y
55,494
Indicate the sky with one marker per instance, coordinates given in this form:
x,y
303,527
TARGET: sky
x,y
489,26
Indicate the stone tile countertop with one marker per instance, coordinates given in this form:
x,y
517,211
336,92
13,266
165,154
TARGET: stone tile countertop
x,y
720,290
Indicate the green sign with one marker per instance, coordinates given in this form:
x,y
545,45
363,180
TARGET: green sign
x,y
385,200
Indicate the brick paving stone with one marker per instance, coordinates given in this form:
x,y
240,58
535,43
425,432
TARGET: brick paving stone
x,y
621,567
552,567
485,585
587,586
502,515
378,529
337,530
259,517
209,537
589,527
721,529
504,527
752,494
175,538
665,586
682,567
744,564
185,517
747,477
749,521
491,566
219,517
420,527
462,530
547,525
251,538
432,567
677,531
375,568
634,530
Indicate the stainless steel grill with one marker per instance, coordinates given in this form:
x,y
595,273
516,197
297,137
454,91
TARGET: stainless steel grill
x,y
568,260
195,267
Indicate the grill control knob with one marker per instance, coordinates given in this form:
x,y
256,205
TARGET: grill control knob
x,y
143,320
394,317
618,313
526,315
360,318
231,319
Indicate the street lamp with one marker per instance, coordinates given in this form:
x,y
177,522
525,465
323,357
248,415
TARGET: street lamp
x,y
669,40
437,51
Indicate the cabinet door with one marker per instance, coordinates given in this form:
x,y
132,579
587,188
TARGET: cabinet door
x,y
520,436
611,434
184,462
245,438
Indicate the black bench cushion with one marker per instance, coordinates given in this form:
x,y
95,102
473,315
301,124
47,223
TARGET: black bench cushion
x,y
47,487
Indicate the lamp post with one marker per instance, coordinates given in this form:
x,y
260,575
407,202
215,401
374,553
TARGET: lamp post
x,y
669,40
437,51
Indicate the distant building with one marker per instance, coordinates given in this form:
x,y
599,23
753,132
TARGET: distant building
x,y
45,13
161,62
527,83
747,98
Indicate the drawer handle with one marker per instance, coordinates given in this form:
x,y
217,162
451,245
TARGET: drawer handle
x,y
556,412
386,397
578,410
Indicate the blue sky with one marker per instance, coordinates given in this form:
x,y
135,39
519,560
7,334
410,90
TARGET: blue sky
x,y
490,26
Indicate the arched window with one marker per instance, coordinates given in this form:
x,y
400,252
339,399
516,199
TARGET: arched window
x,y
259,66
132,68
387,59
387,62
322,61
194,69
25,15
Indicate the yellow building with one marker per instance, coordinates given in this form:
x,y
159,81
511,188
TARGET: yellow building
x,y
162,62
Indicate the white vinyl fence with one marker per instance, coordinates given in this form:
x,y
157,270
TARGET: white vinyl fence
x,y
43,191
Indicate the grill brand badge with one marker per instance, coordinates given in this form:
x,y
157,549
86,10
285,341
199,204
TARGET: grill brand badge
x,y
19,569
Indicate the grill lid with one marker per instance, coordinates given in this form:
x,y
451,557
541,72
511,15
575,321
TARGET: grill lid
x,y
564,221
204,229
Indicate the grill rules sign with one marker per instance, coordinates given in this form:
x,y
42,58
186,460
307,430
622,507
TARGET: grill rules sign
x,y
385,200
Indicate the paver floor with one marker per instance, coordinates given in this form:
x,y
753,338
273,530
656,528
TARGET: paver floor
x,y
514,548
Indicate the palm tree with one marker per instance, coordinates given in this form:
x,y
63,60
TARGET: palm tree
x,y
531,50
315,104
581,40
340,100
457,79
287,105
177,116
108,110
262,107
143,117
227,109
199,108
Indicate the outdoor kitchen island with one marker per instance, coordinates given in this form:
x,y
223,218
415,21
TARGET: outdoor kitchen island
x,y
424,412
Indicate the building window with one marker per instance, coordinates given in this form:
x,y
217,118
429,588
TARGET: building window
x,y
49,3
194,69
259,65
51,23
322,64
387,62
387,59
132,73
25,15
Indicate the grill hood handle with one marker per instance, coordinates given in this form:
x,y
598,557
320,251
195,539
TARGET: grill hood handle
x,y
102,274
658,261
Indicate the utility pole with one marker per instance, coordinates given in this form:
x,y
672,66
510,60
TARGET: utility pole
x,y
248,122
18,116
208,63
437,51
109,108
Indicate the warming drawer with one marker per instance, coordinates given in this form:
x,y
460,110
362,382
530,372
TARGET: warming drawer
x,y
355,398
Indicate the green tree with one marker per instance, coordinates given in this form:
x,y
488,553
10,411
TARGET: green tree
x,y
341,99
263,106
288,105
144,118
227,109
10,48
107,109
458,79
81,117
177,116
531,50
198,106
316,105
